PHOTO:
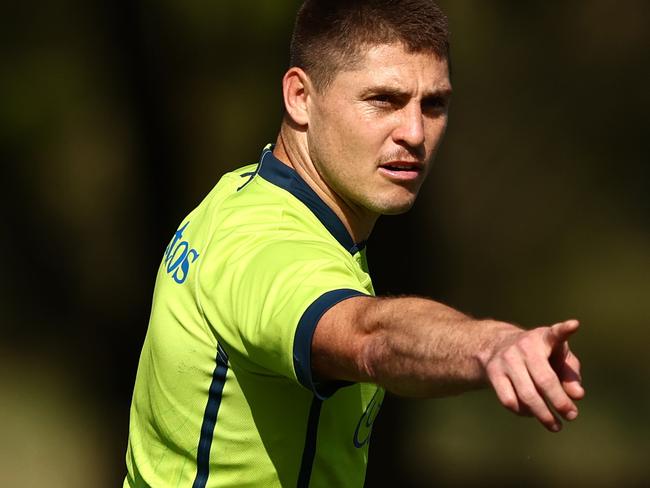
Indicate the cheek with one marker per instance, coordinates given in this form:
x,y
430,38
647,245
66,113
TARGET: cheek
x,y
346,142
347,124
326,130
435,132
332,140
342,128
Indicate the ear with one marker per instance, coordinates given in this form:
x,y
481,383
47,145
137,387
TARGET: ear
x,y
296,89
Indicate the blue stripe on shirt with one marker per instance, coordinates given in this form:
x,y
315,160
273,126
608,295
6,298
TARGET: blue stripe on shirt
x,y
210,419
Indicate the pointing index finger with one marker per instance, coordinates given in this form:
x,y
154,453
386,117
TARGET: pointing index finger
x,y
561,332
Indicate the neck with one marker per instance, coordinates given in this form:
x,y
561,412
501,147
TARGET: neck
x,y
358,221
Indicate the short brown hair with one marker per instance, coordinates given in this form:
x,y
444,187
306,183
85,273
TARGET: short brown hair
x,y
331,35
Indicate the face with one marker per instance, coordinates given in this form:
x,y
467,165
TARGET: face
x,y
373,132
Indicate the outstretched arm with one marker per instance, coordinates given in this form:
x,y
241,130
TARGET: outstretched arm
x,y
420,348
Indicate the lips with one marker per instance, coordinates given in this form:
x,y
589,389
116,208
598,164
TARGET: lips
x,y
402,166
401,170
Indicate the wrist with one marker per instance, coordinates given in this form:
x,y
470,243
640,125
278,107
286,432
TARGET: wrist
x,y
497,335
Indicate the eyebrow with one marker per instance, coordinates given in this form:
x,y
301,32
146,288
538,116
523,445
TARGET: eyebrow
x,y
398,93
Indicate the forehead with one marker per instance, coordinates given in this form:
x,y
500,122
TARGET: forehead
x,y
391,65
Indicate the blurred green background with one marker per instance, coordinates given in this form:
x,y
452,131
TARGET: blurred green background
x,y
117,117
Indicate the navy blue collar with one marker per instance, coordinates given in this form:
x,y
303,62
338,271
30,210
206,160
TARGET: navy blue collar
x,y
275,171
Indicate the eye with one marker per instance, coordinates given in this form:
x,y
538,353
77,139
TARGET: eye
x,y
434,105
381,100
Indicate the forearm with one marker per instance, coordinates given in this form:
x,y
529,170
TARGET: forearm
x,y
421,348
414,346
418,347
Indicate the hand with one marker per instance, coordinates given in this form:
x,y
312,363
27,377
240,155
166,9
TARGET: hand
x,y
534,373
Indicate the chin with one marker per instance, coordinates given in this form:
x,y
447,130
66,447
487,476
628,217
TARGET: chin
x,y
395,208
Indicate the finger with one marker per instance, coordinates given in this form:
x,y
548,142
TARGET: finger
x,y
569,373
559,333
528,395
506,394
548,385
567,367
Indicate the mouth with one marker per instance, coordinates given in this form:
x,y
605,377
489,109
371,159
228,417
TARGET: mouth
x,y
402,170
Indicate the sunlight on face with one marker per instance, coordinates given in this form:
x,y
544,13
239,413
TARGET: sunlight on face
x,y
374,131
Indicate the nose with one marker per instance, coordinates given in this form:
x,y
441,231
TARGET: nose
x,y
410,130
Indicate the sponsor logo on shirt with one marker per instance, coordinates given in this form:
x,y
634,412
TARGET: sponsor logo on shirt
x,y
179,255
364,427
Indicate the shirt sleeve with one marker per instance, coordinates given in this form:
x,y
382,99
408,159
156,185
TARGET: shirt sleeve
x,y
278,293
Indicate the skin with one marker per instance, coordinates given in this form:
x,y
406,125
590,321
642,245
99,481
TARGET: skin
x,y
365,144
393,109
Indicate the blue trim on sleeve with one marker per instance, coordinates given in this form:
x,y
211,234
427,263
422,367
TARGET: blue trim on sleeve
x,y
210,419
275,171
309,451
303,338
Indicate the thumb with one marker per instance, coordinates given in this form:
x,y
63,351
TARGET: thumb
x,y
559,333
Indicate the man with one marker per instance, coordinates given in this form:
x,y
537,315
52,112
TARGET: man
x,y
267,355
